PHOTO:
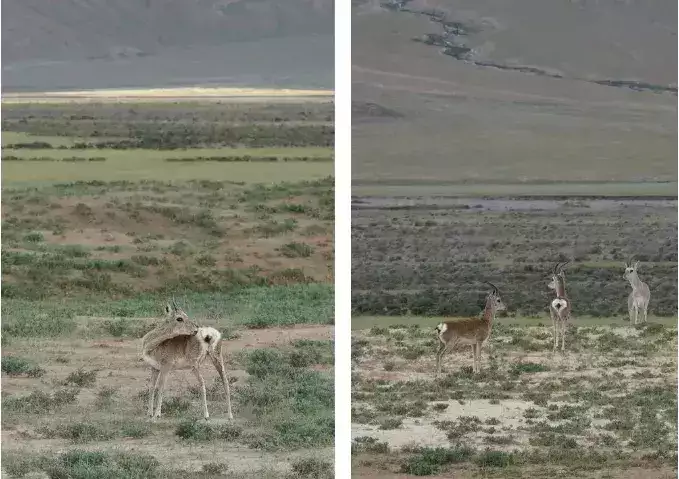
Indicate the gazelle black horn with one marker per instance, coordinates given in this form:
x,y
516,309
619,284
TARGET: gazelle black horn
x,y
495,290
562,266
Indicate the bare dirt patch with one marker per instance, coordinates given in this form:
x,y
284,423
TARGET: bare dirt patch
x,y
119,369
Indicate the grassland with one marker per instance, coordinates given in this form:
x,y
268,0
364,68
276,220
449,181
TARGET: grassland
x,y
429,256
92,250
613,189
606,408
114,141
130,165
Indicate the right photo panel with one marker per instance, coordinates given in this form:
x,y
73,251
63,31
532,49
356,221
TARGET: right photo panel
x,y
514,239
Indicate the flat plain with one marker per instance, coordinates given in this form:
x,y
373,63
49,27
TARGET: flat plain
x,y
605,408
109,210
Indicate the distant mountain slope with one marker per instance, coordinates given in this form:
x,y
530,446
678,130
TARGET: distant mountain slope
x,y
612,39
183,36
74,29
514,90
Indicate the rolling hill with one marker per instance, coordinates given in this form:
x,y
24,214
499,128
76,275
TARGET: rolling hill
x,y
514,90
122,43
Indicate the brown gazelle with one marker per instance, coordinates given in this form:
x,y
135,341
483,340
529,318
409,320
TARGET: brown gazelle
x,y
471,331
176,323
167,349
560,306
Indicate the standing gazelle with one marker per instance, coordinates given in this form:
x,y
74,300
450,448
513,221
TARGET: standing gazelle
x,y
640,296
470,331
182,345
560,307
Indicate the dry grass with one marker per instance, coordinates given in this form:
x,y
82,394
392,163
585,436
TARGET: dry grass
x,y
613,392
106,412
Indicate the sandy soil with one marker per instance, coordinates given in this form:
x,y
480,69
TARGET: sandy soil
x,y
512,419
119,367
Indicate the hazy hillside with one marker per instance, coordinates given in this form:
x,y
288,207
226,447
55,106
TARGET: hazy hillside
x,y
103,43
509,89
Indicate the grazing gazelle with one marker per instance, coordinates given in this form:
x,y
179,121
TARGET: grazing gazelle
x,y
640,296
560,307
471,331
182,345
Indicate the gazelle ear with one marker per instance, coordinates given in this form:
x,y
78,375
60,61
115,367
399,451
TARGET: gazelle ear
x,y
636,263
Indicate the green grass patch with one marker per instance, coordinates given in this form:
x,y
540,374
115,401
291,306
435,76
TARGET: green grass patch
x,y
293,405
81,378
429,461
199,430
250,307
39,402
145,164
312,468
16,366
296,250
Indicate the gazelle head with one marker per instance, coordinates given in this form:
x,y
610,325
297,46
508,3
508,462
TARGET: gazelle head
x,y
494,300
557,275
630,270
177,321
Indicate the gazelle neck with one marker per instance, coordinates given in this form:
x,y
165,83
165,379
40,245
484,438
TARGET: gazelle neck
x,y
489,310
561,287
634,280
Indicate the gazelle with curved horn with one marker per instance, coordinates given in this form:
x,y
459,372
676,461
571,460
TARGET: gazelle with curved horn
x,y
470,331
640,296
560,307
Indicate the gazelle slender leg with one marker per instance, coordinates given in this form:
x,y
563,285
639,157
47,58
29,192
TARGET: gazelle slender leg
x,y
153,384
201,381
645,313
563,335
218,362
443,347
162,379
477,356
554,328
473,358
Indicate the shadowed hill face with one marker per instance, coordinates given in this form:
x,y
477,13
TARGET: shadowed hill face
x,y
499,90
119,43
46,30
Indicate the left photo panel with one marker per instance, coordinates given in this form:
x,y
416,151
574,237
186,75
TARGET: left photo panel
x,y
168,200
